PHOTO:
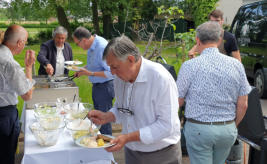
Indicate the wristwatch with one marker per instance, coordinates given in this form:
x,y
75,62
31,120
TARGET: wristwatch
x,y
93,74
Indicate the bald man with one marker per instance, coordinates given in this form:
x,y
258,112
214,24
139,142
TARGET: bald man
x,y
13,82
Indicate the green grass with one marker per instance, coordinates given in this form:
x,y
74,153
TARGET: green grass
x,y
85,86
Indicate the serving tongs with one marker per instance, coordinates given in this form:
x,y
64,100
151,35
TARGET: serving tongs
x,y
71,77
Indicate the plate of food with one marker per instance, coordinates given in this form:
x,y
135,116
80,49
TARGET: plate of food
x,y
100,141
73,68
74,62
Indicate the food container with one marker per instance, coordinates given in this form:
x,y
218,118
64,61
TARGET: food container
x,y
79,127
46,137
77,110
46,109
50,122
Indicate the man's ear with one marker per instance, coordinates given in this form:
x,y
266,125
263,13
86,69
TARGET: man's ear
x,y
131,59
20,43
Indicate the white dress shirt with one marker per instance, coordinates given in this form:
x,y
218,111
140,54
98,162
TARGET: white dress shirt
x,y
13,81
60,61
153,98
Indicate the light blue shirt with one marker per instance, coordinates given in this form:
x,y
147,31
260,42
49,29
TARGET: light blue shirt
x,y
211,85
95,62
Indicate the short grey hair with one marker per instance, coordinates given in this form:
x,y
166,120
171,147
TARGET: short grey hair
x,y
209,32
122,47
60,30
81,33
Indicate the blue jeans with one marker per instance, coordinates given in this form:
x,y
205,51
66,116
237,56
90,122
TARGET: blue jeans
x,y
103,94
209,144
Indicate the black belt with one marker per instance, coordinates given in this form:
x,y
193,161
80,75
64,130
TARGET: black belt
x,y
167,147
102,83
210,123
7,107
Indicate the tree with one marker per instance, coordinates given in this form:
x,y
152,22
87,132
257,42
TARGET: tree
x,y
198,10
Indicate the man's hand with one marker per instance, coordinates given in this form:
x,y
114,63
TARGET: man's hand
x,y
192,53
29,58
119,142
101,118
82,72
49,69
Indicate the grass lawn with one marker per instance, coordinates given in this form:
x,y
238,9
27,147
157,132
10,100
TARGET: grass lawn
x,y
85,87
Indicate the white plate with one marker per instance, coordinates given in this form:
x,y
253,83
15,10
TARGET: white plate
x,y
78,142
73,68
75,62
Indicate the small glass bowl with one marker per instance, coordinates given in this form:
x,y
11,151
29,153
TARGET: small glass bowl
x,y
46,137
79,127
77,110
46,109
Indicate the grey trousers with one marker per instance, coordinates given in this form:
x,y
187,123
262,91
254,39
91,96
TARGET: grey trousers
x,y
169,155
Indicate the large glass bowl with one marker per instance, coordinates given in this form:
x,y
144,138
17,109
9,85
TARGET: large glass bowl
x,y
79,127
46,137
77,110
46,109
50,122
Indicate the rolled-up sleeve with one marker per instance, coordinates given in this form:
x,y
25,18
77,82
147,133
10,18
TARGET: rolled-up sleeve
x,y
18,81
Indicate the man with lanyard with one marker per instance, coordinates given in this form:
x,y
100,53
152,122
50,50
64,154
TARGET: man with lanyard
x,y
97,71
227,45
13,82
146,106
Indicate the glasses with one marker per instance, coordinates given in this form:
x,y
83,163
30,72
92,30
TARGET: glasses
x,y
79,41
126,110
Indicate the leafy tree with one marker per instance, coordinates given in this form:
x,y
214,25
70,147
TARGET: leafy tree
x,y
198,10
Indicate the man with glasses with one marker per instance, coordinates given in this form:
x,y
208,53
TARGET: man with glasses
x,y
13,82
146,106
227,45
54,53
97,71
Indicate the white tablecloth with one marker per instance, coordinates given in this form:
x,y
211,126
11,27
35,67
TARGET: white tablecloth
x,y
64,152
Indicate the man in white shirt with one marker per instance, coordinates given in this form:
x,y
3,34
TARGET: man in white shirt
x,y
13,82
146,105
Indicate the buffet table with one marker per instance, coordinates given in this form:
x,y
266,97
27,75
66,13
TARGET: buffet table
x,y
64,152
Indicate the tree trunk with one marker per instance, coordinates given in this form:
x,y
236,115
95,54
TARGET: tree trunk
x,y
121,18
95,16
62,19
106,25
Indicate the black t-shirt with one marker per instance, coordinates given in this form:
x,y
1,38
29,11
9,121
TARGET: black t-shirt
x,y
230,43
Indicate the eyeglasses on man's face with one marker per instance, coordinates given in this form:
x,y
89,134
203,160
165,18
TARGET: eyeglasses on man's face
x,y
126,111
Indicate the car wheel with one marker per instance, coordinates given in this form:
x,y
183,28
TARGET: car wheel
x,y
259,83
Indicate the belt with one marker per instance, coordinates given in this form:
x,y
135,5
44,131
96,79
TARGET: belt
x,y
167,147
103,82
209,123
7,107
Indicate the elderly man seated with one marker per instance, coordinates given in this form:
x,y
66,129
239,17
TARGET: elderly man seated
x,y
54,53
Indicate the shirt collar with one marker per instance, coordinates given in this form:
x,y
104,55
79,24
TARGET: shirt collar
x,y
93,46
60,48
9,53
210,50
142,75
